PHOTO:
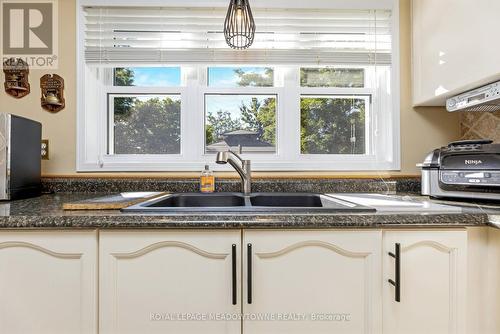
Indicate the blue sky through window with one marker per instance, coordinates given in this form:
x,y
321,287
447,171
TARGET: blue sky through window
x,y
157,76
225,77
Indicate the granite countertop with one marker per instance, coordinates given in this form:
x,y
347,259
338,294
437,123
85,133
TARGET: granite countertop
x,y
46,212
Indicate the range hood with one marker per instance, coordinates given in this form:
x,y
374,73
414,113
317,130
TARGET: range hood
x,y
485,98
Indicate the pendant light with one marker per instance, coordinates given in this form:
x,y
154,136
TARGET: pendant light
x,y
239,27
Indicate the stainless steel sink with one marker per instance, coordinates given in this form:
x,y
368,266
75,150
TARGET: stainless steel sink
x,y
255,202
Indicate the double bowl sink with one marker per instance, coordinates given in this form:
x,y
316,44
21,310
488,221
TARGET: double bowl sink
x,y
255,202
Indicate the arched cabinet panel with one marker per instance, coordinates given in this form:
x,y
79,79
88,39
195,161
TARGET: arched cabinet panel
x,y
433,282
48,282
169,282
316,281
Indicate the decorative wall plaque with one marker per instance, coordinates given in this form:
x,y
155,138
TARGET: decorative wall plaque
x,y
16,77
52,86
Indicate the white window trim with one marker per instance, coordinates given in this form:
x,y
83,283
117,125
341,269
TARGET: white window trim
x,y
92,126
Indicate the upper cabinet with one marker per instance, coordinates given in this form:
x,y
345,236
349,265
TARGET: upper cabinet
x,y
454,48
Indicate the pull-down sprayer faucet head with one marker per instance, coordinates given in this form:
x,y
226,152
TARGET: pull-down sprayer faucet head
x,y
222,157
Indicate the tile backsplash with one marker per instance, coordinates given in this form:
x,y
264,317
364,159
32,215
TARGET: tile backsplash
x,y
480,125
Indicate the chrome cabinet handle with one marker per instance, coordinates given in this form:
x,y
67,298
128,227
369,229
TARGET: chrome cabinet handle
x,y
397,279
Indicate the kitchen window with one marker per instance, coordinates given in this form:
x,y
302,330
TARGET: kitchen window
x,y
334,124
318,93
245,123
237,120
144,124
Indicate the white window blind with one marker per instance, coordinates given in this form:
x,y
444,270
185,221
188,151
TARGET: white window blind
x,y
120,35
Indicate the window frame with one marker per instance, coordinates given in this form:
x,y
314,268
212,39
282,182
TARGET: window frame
x,y
92,132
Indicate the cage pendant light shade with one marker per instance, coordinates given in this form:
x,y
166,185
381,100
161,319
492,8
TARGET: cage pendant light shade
x,y
239,26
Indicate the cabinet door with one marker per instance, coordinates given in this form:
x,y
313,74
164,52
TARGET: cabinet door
x,y
491,307
432,282
312,282
48,282
178,282
446,57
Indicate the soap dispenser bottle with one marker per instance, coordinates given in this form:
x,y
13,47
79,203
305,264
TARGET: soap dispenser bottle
x,y
207,181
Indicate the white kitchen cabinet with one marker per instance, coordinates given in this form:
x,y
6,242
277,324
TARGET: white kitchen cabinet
x,y
453,47
433,282
491,306
312,282
178,282
48,282
484,280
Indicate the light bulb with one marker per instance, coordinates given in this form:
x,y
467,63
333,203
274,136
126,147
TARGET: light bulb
x,y
239,15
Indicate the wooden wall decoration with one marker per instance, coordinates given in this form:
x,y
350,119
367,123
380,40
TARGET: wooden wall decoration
x,y
16,77
52,86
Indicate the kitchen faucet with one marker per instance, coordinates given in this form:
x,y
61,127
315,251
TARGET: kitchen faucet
x,y
243,168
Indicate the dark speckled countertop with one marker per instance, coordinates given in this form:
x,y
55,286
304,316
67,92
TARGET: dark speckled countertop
x,y
46,212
